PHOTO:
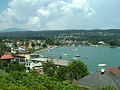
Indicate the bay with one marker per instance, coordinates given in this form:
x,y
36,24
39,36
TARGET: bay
x,y
90,55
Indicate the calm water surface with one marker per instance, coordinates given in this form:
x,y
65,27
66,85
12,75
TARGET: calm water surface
x,y
92,56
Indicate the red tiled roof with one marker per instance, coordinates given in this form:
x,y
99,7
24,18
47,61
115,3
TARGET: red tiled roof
x,y
7,56
115,70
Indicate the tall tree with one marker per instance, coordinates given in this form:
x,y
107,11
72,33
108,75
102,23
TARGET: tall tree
x,y
62,73
3,48
77,70
49,68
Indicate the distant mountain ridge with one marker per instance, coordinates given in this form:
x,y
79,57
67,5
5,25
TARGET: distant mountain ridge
x,y
13,30
66,30
29,34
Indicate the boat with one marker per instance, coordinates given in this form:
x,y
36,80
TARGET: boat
x,y
74,58
77,55
102,65
65,54
85,57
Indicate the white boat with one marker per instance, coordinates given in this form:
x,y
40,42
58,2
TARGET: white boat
x,y
65,54
74,58
85,57
77,55
102,65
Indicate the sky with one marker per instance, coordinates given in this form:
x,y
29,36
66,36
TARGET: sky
x,y
59,14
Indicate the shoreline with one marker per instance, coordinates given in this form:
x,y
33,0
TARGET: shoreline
x,y
48,49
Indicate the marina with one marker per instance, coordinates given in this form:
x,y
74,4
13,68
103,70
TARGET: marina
x,y
90,55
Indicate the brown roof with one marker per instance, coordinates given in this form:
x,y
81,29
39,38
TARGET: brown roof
x,y
23,53
7,56
115,70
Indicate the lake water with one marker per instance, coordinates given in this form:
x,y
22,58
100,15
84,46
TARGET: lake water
x,y
92,56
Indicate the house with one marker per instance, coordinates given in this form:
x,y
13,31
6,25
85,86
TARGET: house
x,y
36,64
8,57
101,79
42,60
115,70
18,49
30,65
23,54
34,55
9,44
20,59
101,42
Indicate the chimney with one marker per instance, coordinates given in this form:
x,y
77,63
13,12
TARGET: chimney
x,y
102,71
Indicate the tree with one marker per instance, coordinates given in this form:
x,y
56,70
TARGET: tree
x,y
107,88
3,65
15,44
50,42
77,70
3,48
114,43
26,43
49,68
27,81
62,73
44,45
33,44
15,66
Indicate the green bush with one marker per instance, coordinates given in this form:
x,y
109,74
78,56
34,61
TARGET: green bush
x,y
30,81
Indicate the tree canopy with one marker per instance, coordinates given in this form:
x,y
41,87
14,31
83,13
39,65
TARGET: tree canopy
x,y
75,70
32,81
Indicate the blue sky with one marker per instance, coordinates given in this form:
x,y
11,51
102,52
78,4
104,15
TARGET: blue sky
x,y
59,14
3,4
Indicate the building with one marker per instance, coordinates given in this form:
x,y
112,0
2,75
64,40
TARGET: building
x,y
20,59
36,64
115,70
101,43
8,57
102,79
18,49
25,55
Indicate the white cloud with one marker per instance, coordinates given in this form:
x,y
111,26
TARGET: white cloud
x,y
34,20
7,15
45,14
